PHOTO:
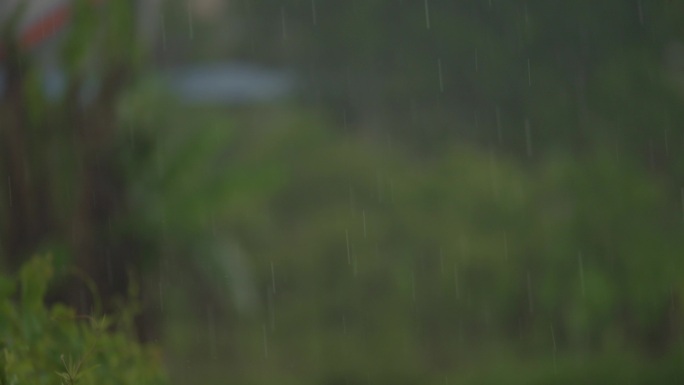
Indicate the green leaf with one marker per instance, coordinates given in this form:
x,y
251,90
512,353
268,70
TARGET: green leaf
x,y
34,277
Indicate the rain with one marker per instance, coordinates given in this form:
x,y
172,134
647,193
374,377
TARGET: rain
x,y
326,193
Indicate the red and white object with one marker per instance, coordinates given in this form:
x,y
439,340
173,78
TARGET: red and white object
x,y
42,20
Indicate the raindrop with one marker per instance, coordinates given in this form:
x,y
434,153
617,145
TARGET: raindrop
x,y
581,271
211,331
346,237
9,189
363,213
271,311
529,292
265,341
344,324
161,295
493,173
427,15
651,152
391,187
273,278
458,291
282,18
498,125
313,12
529,73
641,12
355,263
110,277
463,243
190,21
441,260
528,137
527,14
379,185
682,192
439,73
413,286
477,61
667,144
344,119
553,340
505,237
163,31
351,199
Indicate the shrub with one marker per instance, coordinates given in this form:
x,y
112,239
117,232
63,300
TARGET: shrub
x,y
41,345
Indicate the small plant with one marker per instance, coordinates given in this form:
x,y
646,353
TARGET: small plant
x,y
42,346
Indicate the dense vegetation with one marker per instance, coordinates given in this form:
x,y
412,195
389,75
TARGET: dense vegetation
x,y
468,191
56,345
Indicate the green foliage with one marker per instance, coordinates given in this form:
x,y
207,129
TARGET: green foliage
x,y
47,345
370,264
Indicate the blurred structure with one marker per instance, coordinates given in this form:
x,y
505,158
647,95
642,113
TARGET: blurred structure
x,y
40,28
39,22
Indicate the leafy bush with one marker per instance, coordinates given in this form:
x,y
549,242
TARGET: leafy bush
x,y
41,345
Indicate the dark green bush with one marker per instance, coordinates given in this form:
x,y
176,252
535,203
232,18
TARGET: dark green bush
x,y
41,345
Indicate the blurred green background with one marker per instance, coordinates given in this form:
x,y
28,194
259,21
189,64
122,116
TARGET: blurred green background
x,y
382,192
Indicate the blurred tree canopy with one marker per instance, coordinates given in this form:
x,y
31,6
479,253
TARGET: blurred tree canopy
x,y
480,183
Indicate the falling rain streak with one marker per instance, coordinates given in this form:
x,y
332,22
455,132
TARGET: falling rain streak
x,y
456,286
427,15
271,311
493,173
9,190
529,292
190,28
391,187
161,294
273,286
581,271
439,75
505,238
346,238
282,22
499,134
313,12
555,349
529,73
163,32
441,260
363,214
528,137
265,341
211,331
379,178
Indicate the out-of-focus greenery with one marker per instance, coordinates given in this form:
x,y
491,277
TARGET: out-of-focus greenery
x,y
42,345
374,269
519,222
